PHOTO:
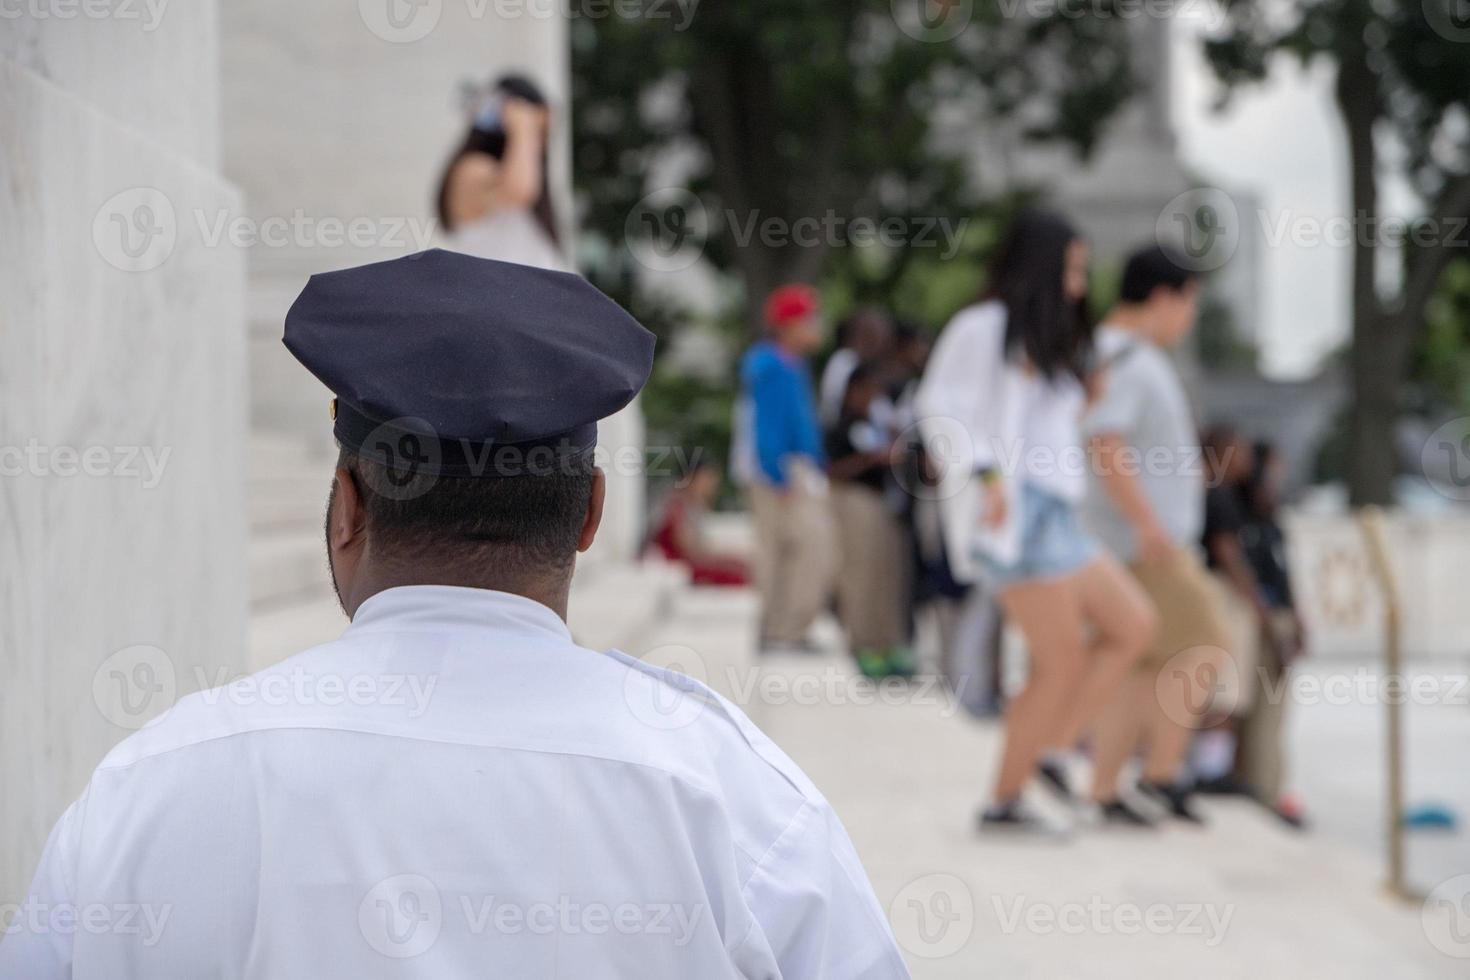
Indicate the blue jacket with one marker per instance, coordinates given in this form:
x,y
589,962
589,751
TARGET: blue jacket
x,y
784,409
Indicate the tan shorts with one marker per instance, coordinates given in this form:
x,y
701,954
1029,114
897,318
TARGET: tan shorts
x,y
1188,607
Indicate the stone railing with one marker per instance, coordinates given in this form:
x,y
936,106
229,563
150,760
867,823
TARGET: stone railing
x,y
1343,604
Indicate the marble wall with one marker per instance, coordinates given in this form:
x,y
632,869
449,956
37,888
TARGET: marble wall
x,y
122,398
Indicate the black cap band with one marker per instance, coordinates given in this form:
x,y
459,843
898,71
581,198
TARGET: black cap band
x,y
411,446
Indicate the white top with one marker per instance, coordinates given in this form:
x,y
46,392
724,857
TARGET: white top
x,y
833,387
1145,404
451,789
832,392
980,409
509,235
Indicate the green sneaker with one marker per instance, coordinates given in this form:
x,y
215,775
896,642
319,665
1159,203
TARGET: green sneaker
x,y
901,662
873,664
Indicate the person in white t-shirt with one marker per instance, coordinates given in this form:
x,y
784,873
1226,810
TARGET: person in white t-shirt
x,y
1002,396
1146,505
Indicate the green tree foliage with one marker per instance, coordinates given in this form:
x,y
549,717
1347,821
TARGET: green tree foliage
x,y
1442,361
824,110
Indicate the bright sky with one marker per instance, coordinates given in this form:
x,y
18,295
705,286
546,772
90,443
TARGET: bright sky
x,y
1280,142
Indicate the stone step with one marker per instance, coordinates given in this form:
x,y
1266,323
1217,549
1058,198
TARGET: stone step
x,y
271,449
612,606
286,494
616,603
287,566
278,631
288,502
288,482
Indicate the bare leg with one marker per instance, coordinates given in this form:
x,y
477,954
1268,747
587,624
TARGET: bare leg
x,y
1124,623
1118,731
1174,713
1049,614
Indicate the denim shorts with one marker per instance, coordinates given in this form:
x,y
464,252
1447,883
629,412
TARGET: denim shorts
x,y
1053,542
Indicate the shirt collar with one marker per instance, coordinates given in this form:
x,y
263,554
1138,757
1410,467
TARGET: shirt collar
x,y
431,608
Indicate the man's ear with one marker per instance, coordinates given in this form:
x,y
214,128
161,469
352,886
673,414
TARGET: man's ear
x,y
595,499
347,524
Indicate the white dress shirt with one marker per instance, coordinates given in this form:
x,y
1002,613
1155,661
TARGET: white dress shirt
x,y
981,409
451,789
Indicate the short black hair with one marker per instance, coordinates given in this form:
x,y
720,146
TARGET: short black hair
x,y
1148,269
509,526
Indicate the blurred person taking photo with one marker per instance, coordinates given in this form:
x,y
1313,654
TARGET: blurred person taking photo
x,y
795,558
1145,503
680,535
1005,389
493,200
873,577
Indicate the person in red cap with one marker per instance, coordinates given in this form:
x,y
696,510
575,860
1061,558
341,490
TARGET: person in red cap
x,y
795,545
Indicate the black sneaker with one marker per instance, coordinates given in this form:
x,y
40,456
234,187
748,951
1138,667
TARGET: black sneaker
x,y
1224,786
1173,799
1016,816
1117,813
1054,777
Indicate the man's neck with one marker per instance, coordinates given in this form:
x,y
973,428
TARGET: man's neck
x,y
1132,318
554,596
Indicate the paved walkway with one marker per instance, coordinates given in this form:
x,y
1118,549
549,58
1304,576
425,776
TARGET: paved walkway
x,y
1242,898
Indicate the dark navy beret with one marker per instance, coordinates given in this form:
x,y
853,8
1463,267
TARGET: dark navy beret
x,y
467,366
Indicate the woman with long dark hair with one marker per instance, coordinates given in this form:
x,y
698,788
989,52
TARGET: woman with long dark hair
x,y
493,199
1003,396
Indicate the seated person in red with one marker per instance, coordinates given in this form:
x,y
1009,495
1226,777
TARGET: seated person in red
x,y
680,535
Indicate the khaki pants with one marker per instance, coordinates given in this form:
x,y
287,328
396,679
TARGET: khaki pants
x,y
873,579
1238,681
1262,753
795,557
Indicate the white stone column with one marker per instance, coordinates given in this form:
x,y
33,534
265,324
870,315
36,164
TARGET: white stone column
x,y
122,396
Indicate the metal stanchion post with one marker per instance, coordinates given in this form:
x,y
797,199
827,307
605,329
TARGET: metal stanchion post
x,y
1370,519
